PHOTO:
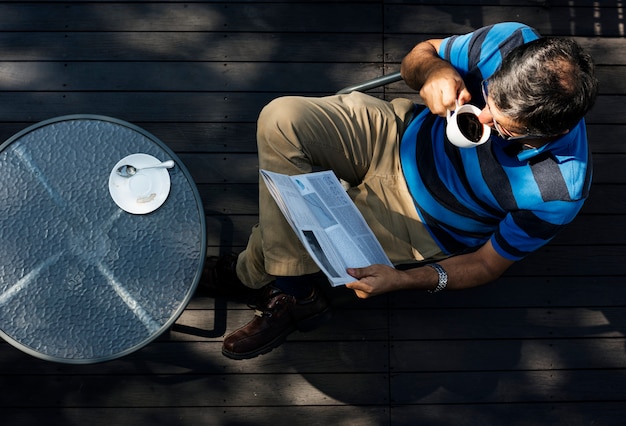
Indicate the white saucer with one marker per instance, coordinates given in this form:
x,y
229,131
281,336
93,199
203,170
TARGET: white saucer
x,y
143,192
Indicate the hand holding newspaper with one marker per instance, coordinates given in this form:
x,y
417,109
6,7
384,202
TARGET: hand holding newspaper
x,y
327,222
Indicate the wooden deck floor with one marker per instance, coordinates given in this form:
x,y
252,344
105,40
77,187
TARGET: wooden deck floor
x,y
544,345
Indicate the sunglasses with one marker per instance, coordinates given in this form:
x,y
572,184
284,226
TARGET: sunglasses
x,y
503,132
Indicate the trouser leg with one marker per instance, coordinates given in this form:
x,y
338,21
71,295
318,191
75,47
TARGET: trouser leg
x,y
344,133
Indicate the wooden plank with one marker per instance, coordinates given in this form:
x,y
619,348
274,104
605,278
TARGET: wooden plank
x,y
205,415
553,260
508,387
230,199
606,138
209,76
605,50
193,390
578,4
205,137
215,17
604,226
606,110
509,323
518,323
202,357
606,198
136,106
222,168
522,292
555,20
507,292
606,168
611,79
340,298
9,129
346,325
507,355
228,233
544,413
191,46
548,414
182,76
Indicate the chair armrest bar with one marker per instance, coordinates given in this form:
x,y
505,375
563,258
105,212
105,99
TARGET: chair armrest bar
x,y
371,84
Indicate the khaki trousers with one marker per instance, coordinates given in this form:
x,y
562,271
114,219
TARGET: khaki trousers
x,y
358,137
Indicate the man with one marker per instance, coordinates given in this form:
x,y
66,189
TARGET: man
x,y
472,212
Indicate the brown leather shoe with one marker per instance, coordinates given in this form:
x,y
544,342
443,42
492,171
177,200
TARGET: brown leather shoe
x,y
273,321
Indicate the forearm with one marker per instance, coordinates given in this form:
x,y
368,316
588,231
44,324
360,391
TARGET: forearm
x,y
463,271
461,275
420,63
438,82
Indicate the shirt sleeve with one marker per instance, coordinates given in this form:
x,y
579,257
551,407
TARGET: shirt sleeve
x,y
523,232
477,55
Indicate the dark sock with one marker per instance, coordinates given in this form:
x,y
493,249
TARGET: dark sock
x,y
300,286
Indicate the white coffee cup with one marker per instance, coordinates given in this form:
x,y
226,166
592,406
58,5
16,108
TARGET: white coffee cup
x,y
466,134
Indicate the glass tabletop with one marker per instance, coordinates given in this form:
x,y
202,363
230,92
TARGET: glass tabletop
x,y
82,280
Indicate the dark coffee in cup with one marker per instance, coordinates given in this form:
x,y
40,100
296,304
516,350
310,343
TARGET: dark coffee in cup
x,y
470,126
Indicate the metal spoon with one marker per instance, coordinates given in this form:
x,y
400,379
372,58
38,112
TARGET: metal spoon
x,y
127,170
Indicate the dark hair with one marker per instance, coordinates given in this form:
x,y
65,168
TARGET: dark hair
x,y
547,85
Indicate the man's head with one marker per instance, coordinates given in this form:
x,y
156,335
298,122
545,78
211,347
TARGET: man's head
x,y
545,87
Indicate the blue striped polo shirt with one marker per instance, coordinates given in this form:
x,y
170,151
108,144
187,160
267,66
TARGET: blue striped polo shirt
x,y
517,198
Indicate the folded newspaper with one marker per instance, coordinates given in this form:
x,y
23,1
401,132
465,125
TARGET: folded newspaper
x,y
327,222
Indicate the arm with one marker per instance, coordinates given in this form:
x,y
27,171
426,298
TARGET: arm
x,y
438,83
464,271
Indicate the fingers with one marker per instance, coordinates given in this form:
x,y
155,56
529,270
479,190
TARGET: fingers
x,y
441,93
361,290
464,96
375,280
371,280
357,273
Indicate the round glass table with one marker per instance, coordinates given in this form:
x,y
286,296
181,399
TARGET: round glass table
x,y
83,280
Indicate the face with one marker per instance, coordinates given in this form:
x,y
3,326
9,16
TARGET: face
x,y
491,116
507,129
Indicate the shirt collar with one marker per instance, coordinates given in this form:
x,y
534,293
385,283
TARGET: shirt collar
x,y
528,152
559,149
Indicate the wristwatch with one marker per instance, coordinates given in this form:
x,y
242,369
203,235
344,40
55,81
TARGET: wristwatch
x,y
443,277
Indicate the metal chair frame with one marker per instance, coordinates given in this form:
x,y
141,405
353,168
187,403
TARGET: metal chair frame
x,y
371,84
